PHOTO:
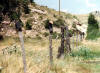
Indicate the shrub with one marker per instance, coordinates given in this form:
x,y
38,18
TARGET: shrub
x,y
13,16
75,17
74,25
38,37
26,9
85,53
46,34
46,24
59,22
41,17
93,28
69,16
54,35
28,25
54,15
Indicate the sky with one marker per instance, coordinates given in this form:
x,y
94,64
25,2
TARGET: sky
x,y
72,6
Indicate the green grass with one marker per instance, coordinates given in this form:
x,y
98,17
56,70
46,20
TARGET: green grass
x,y
85,53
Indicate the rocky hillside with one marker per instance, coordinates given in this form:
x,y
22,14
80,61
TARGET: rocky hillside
x,y
38,14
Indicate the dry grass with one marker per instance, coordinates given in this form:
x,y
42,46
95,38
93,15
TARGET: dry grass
x,y
37,54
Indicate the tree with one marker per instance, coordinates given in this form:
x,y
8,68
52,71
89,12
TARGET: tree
x,y
10,6
93,27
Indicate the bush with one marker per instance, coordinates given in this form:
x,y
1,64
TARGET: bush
x,y
46,24
93,34
13,16
26,9
59,22
75,17
41,17
28,25
93,28
85,53
69,16
38,37
54,15
46,34
54,35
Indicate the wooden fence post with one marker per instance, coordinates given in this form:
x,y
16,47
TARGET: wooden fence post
x,y
23,50
50,49
76,39
50,43
68,48
19,30
73,41
61,48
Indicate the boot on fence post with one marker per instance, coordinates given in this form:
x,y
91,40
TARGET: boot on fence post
x,y
19,30
61,48
68,48
50,42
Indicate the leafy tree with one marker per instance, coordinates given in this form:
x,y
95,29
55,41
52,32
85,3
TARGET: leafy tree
x,y
93,27
9,6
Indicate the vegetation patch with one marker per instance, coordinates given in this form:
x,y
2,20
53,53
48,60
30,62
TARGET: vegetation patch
x,y
69,16
58,23
28,24
93,28
85,53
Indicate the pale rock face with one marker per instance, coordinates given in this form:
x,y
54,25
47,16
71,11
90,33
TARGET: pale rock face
x,y
38,11
82,28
